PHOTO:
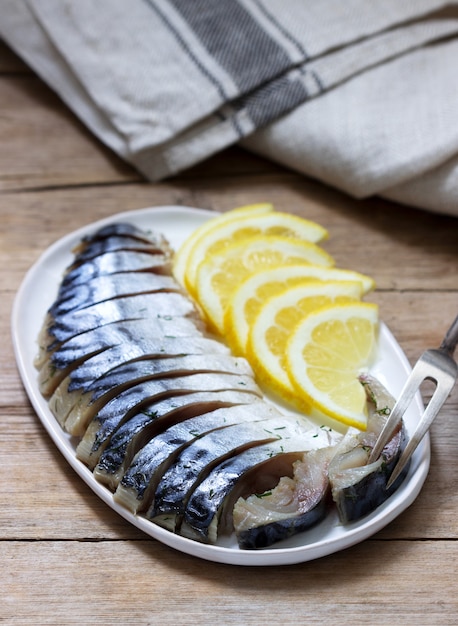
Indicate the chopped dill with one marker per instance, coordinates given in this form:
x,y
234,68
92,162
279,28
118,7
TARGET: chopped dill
x,y
263,495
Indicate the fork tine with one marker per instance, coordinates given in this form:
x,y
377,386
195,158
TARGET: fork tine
x,y
438,366
433,365
445,381
405,398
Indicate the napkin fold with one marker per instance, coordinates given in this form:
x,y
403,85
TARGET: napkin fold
x,y
360,95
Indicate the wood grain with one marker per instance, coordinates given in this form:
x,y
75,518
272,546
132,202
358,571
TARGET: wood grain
x,y
67,558
345,588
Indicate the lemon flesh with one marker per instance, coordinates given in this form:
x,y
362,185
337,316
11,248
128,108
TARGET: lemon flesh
x,y
277,319
325,355
181,258
223,234
253,292
220,274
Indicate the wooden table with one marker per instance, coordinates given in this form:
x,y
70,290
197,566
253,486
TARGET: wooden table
x,y
66,557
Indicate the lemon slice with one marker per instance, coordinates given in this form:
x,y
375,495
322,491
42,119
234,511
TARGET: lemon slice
x,y
250,295
326,353
223,235
277,319
182,255
220,274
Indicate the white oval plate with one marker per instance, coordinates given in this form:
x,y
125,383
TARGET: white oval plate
x,y
36,294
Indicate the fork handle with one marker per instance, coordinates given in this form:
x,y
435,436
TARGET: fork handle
x,y
450,341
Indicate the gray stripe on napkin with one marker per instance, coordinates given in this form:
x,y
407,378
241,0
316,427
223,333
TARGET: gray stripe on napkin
x,y
209,75
235,40
273,99
257,63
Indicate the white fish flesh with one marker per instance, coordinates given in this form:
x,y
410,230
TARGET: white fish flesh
x,y
359,487
210,508
300,501
295,504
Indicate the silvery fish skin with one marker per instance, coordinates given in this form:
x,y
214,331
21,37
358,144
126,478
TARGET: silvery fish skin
x,y
118,262
115,243
100,363
198,458
104,423
120,229
76,350
209,509
139,481
81,401
358,488
138,306
140,432
106,287
120,236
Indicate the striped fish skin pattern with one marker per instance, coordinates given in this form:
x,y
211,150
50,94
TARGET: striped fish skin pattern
x,y
80,396
137,306
136,487
121,407
183,418
166,417
117,262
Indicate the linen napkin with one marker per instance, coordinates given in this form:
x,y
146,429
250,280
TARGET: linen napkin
x,y
360,95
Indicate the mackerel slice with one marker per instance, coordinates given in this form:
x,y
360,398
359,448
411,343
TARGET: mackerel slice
x,y
119,236
292,506
81,401
120,229
197,460
114,244
160,305
118,262
112,415
139,482
126,333
357,486
98,364
106,287
209,508
191,415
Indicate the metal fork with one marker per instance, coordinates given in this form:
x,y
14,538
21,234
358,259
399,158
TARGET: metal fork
x,y
438,366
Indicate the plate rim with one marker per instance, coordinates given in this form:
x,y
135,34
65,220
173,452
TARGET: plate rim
x,y
354,533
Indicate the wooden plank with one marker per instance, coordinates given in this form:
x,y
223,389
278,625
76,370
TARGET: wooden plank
x,y
130,583
401,249
33,117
